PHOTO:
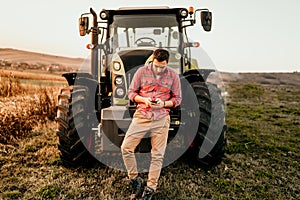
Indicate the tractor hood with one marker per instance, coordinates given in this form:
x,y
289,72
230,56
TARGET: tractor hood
x,y
132,58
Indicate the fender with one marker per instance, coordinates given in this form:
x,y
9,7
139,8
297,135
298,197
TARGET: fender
x,y
194,75
72,77
85,79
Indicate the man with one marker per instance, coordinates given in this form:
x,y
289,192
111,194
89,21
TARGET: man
x,y
156,88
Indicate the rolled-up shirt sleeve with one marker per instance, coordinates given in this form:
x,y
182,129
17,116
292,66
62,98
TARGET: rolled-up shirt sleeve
x,y
134,86
176,94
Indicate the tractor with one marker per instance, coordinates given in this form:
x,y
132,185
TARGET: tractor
x,y
94,112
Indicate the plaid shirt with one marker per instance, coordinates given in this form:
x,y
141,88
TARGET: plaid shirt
x,y
166,87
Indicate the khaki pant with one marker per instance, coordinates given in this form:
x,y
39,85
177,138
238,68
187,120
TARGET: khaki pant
x,y
139,127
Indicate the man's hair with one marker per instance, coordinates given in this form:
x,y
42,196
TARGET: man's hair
x,y
161,55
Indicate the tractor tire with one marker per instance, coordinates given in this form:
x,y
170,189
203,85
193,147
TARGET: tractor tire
x,y
72,117
208,146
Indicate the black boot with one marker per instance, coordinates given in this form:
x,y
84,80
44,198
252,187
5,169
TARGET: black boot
x,y
138,185
148,193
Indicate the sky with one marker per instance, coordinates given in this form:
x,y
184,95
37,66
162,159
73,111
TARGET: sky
x,y
247,36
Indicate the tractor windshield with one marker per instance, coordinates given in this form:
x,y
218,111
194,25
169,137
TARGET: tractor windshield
x,y
146,31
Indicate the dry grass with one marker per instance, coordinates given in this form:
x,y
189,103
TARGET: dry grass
x,y
23,107
9,85
32,75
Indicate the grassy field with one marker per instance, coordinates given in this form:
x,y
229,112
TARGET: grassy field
x,y
262,159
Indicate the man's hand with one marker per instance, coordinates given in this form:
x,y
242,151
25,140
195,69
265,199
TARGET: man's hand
x,y
159,104
145,100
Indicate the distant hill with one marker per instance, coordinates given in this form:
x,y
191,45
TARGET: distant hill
x,y
33,58
272,78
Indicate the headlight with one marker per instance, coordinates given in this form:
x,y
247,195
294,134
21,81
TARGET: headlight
x,y
120,92
183,13
119,80
117,66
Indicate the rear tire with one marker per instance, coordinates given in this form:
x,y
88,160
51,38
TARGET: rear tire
x,y
72,118
208,147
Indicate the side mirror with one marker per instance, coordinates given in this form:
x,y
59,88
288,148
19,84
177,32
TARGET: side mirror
x,y
83,25
206,20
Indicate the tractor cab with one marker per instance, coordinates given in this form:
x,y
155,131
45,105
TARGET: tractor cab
x,y
130,35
